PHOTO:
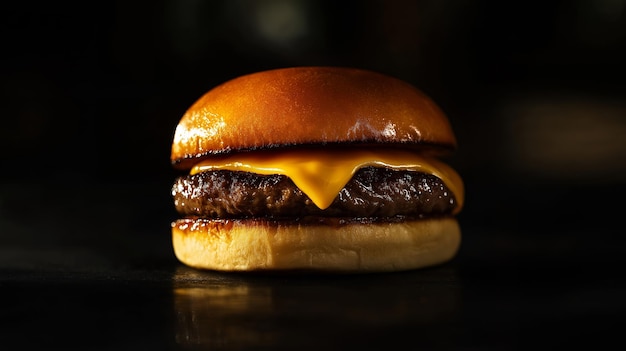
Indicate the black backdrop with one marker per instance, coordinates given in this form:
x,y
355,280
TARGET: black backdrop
x,y
112,79
91,94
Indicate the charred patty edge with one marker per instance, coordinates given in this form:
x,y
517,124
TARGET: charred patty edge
x,y
371,193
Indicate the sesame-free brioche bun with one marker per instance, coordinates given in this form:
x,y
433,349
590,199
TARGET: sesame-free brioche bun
x,y
263,245
309,106
262,150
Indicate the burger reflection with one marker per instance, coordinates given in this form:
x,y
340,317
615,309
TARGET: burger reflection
x,y
220,313
237,311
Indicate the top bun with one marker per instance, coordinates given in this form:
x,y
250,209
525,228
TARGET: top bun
x,y
309,106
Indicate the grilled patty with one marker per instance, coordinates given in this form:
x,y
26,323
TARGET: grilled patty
x,y
372,192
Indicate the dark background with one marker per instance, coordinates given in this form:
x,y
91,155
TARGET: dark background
x,y
91,94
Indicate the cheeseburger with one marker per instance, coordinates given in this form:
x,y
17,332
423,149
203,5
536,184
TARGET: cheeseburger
x,y
317,169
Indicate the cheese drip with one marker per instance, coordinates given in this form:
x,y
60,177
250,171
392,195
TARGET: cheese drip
x,y
322,174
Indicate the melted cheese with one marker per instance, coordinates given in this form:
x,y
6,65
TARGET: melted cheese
x,y
322,174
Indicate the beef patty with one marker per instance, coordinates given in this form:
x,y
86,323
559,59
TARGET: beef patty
x,y
372,192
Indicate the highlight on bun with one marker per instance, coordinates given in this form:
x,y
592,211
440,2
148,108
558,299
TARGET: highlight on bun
x,y
308,106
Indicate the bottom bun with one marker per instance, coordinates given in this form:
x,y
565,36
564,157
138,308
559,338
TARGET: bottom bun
x,y
257,245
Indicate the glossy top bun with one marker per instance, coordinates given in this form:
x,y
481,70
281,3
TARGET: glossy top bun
x,y
309,106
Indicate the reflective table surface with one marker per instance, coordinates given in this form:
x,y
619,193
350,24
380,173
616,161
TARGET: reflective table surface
x,y
103,276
